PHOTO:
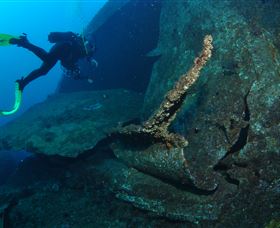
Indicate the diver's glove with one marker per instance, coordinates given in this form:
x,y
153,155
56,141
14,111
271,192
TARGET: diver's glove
x,y
18,98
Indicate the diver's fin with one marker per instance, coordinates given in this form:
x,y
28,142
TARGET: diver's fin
x,y
5,39
18,96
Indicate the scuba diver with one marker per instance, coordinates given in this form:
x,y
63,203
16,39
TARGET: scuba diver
x,y
69,48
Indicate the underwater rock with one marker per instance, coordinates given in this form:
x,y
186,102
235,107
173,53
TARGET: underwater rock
x,y
162,198
70,124
153,148
9,161
105,13
231,120
227,176
225,207
7,166
232,112
85,190
81,190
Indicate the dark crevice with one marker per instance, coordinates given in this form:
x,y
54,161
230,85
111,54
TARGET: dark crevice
x,y
243,134
101,147
231,180
237,146
220,167
257,173
6,220
241,141
224,130
241,165
100,150
184,187
246,109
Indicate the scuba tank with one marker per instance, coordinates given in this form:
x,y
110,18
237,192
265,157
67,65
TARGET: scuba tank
x,y
56,37
76,40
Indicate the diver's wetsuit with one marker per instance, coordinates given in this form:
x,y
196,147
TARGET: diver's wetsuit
x,y
68,52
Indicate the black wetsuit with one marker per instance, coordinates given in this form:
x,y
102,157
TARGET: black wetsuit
x,y
68,52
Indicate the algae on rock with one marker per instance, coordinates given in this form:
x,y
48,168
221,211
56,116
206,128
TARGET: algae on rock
x,y
156,127
151,147
70,124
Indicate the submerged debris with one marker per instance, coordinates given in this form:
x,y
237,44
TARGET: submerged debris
x,y
157,126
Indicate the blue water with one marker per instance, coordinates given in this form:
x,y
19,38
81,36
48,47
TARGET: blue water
x,y
37,19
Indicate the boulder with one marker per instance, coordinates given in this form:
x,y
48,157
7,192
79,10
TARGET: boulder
x,y
230,117
70,124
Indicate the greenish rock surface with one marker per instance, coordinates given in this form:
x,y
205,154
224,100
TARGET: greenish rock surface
x,y
228,175
70,124
100,191
155,159
231,116
234,104
162,198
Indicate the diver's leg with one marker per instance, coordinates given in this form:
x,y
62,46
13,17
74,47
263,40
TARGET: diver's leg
x,y
22,41
40,52
43,70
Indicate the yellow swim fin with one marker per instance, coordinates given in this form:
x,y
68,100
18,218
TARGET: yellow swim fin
x,y
18,98
5,39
